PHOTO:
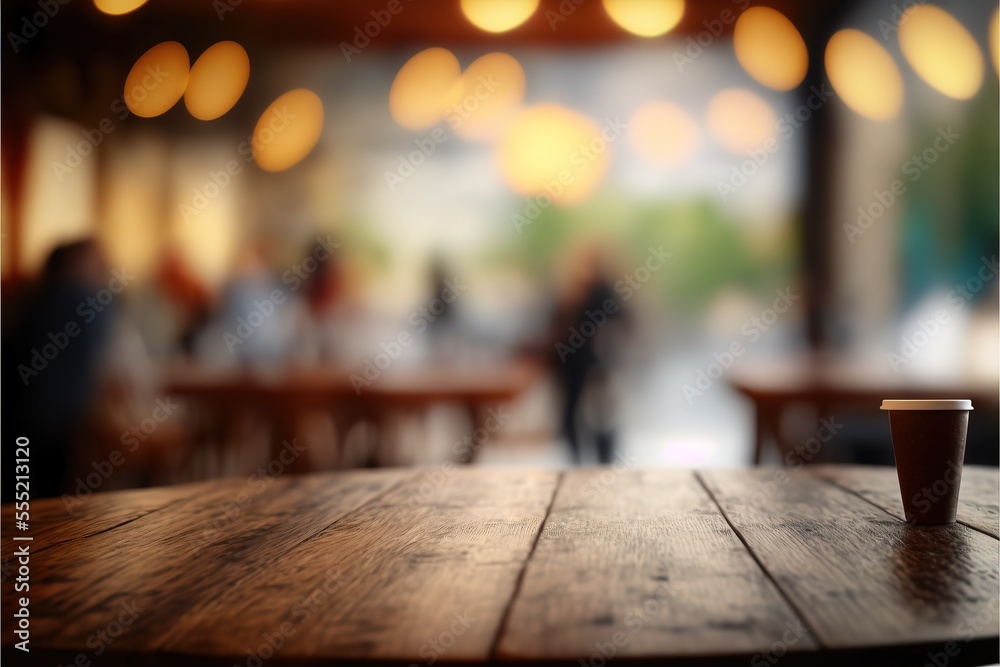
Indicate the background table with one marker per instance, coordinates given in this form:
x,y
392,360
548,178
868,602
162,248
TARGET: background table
x,y
284,395
472,565
832,385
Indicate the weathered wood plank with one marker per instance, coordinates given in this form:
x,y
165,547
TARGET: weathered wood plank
x,y
860,577
53,521
426,571
640,563
978,500
166,562
415,566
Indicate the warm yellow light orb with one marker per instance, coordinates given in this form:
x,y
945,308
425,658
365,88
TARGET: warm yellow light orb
x,y
218,79
288,130
498,15
492,91
941,51
425,88
740,121
550,150
645,18
663,134
770,48
864,75
157,80
117,7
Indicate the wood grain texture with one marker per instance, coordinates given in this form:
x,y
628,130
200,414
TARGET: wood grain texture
x,y
427,571
53,521
860,577
978,500
469,566
166,563
641,563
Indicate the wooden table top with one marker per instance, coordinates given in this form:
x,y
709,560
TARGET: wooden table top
x,y
471,565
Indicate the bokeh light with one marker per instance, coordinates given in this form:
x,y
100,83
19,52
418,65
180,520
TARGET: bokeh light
x,y
218,79
498,15
157,80
548,149
117,7
288,130
770,48
941,51
425,88
492,91
865,76
740,121
663,134
645,18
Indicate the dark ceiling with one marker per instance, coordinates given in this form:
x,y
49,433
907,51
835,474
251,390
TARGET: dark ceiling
x,y
328,22
75,64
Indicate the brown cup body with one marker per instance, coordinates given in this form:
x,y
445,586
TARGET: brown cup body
x,y
929,446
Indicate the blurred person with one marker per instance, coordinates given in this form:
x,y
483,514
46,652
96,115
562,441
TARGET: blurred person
x,y
260,320
587,333
328,304
173,309
52,357
442,327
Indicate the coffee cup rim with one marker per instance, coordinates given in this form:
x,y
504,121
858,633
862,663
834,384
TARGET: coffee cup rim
x,y
927,404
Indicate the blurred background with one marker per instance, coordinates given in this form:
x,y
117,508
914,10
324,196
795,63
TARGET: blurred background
x,y
306,235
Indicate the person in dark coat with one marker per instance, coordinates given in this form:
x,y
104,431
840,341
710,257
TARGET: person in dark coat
x,y
51,363
588,327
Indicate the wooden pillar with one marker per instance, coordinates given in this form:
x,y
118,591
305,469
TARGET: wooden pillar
x,y
822,146
16,124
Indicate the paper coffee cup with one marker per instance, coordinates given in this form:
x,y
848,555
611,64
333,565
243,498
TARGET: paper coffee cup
x,y
928,441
